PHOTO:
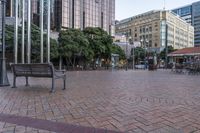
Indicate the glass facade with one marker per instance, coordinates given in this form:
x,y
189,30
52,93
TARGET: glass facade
x,y
35,4
185,13
196,21
191,14
86,13
163,33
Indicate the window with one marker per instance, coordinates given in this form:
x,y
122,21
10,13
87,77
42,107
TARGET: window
x,y
135,35
143,30
135,29
150,29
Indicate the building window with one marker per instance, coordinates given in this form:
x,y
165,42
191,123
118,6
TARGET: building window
x,y
135,29
150,43
143,30
130,32
150,29
135,35
150,36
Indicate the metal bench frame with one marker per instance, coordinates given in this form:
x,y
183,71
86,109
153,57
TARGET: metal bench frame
x,y
45,70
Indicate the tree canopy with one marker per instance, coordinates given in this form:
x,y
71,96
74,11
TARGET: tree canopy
x,y
99,41
35,42
115,49
162,53
72,44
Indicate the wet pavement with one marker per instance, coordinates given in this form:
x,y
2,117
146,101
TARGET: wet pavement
x,y
104,101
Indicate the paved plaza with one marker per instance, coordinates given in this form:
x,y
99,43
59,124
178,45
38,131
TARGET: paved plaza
x,y
104,101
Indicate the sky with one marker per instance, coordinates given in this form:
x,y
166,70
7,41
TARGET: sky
x,y
129,8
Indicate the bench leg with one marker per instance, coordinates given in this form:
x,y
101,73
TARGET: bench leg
x,y
27,84
53,86
64,83
14,82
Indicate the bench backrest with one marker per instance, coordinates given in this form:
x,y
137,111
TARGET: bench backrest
x,y
34,70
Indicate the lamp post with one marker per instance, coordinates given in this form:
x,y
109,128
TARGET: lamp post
x,y
131,42
126,36
147,51
166,46
144,43
3,73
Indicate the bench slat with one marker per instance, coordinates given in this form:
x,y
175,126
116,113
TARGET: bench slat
x,y
37,70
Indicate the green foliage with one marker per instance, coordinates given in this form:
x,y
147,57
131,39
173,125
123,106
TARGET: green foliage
x,y
100,42
9,38
139,54
72,44
162,54
35,42
87,45
115,49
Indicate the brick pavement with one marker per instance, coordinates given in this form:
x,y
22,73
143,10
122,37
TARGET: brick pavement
x,y
126,101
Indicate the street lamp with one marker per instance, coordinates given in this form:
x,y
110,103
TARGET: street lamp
x,y
126,36
145,43
166,46
126,51
3,73
131,42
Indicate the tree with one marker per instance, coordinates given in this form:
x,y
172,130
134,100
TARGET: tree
x,y
35,42
115,49
163,53
100,42
139,54
74,44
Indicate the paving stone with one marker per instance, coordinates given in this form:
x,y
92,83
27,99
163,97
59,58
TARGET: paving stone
x,y
126,101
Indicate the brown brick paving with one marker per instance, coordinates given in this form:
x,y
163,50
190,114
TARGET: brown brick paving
x,y
46,125
127,101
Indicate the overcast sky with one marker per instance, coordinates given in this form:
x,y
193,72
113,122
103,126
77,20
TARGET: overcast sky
x,y
129,8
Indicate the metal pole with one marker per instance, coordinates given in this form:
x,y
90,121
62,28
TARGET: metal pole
x,y
48,31
133,57
145,53
29,33
3,73
131,42
166,45
126,51
23,29
16,31
41,30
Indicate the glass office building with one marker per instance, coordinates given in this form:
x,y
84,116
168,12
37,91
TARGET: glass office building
x,y
196,22
185,12
191,13
85,13
73,13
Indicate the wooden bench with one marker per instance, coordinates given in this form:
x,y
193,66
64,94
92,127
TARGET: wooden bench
x,y
37,70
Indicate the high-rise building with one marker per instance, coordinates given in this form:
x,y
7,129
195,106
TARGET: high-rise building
x,y
74,13
191,13
185,13
85,13
152,28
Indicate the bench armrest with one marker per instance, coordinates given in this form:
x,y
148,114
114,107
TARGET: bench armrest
x,y
60,70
